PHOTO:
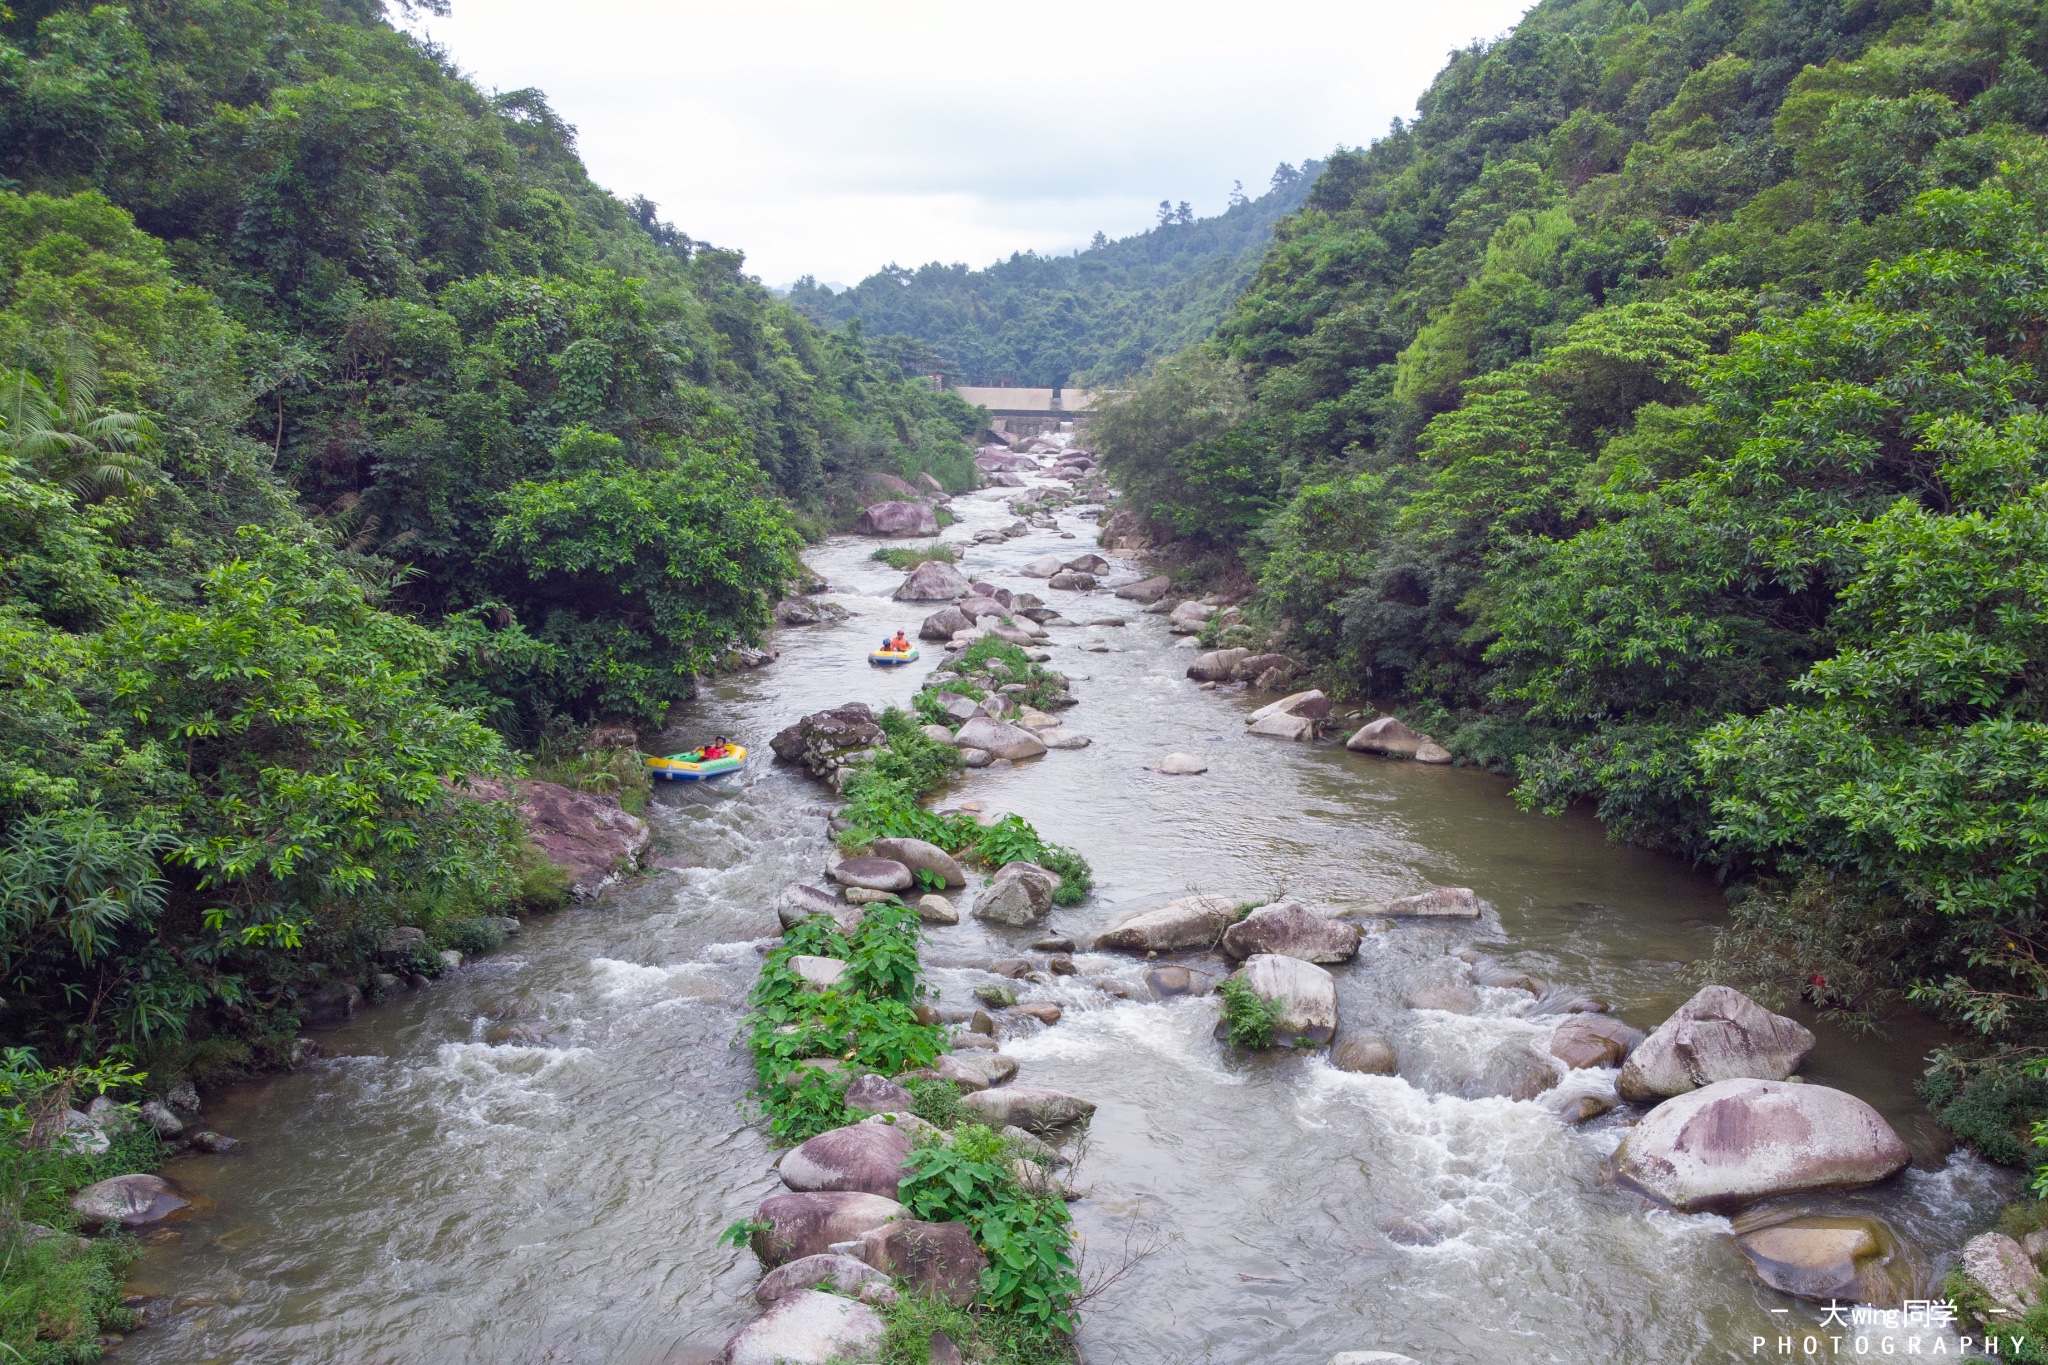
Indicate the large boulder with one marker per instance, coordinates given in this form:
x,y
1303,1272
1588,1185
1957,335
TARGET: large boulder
x,y
930,486
944,624
865,1157
1734,1142
1066,580
919,856
1718,1035
874,874
1306,994
975,1069
807,1223
1837,1259
1189,617
1027,1107
1292,728
1189,922
1020,894
1044,567
1291,930
807,1327
1385,736
932,1260
1089,564
1312,704
932,581
1146,590
2001,1267
827,740
896,519
839,1274
975,606
126,1201
586,834
1003,740
1593,1040
1216,665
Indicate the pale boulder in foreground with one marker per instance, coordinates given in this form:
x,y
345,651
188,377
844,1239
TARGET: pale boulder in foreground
x,y
1189,922
1718,1035
808,1328
1734,1142
1306,994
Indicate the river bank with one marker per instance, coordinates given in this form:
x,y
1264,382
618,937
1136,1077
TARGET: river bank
x,y
530,1162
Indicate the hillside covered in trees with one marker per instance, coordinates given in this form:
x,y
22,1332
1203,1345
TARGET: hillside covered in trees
x,y
350,440
1656,417
1094,316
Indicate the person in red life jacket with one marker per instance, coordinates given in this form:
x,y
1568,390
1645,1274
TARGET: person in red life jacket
x,y
901,644
717,748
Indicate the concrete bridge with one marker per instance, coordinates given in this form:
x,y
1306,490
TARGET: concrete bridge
x,y
1030,412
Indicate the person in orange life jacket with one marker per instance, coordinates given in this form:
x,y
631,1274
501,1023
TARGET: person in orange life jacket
x,y
901,644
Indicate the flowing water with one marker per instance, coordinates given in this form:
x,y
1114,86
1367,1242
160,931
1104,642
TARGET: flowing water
x,y
532,1160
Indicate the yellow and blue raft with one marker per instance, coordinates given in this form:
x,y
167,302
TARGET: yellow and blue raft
x,y
893,656
694,767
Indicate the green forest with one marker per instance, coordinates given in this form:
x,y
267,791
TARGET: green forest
x,y
1091,317
1656,418
352,443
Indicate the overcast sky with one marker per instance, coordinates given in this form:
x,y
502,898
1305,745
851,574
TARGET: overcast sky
x,y
834,138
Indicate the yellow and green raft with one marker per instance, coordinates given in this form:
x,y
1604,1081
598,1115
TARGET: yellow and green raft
x,y
893,656
694,767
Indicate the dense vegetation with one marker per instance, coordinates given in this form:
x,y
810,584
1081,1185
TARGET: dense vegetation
x,y
1094,316
1656,417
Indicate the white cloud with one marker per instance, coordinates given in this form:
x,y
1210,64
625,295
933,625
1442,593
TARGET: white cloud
x,y
834,138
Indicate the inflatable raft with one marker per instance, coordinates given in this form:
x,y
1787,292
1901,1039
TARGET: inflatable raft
x,y
694,767
893,656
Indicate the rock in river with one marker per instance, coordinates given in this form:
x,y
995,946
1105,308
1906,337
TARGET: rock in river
x,y
1216,665
1189,922
1366,1054
1718,1035
1593,1040
1292,930
1032,1109
896,519
808,1223
1021,893
1443,902
944,624
808,1328
935,909
587,834
126,1201
1847,1259
799,902
919,856
874,874
1181,764
1147,590
999,738
848,1276
865,1157
932,1260
1043,567
933,581
1306,994
1386,736
1734,1142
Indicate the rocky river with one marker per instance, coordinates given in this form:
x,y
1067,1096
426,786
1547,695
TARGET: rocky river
x,y
531,1161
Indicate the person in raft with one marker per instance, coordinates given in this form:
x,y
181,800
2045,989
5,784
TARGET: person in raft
x,y
901,644
717,748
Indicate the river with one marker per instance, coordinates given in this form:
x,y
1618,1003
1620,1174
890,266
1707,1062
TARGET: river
x,y
532,1160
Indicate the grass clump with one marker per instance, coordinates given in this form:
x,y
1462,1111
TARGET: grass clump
x,y
563,757
1043,688
984,1337
908,557
1248,1017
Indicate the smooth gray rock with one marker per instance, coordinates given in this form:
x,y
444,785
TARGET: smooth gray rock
x,y
1020,894
1216,665
1443,902
936,909
1593,1040
1295,729
944,624
1043,567
1366,1054
919,856
127,1201
818,973
1292,930
1312,705
1189,922
999,738
1028,1107
867,1157
875,1095
1385,736
1146,590
1734,1142
1181,764
1306,994
932,581
873,874
799,902
1718,1035
807,1223
806,1327
844,1274
1830,1259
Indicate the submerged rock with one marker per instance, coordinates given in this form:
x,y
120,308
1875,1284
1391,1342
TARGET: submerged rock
x,y
1189,922
1364,1054
1292,930
806,1327
1718,1035
1452,997
127,1201
1734,1142
1847,1259
1443,902
1593,1040
1181,764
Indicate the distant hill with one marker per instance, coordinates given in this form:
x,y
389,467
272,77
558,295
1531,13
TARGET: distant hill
x,y
1095,315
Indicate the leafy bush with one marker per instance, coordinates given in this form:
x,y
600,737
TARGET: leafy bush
x,y
1248,1017
983,1337
967,1178
908,557
470,937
